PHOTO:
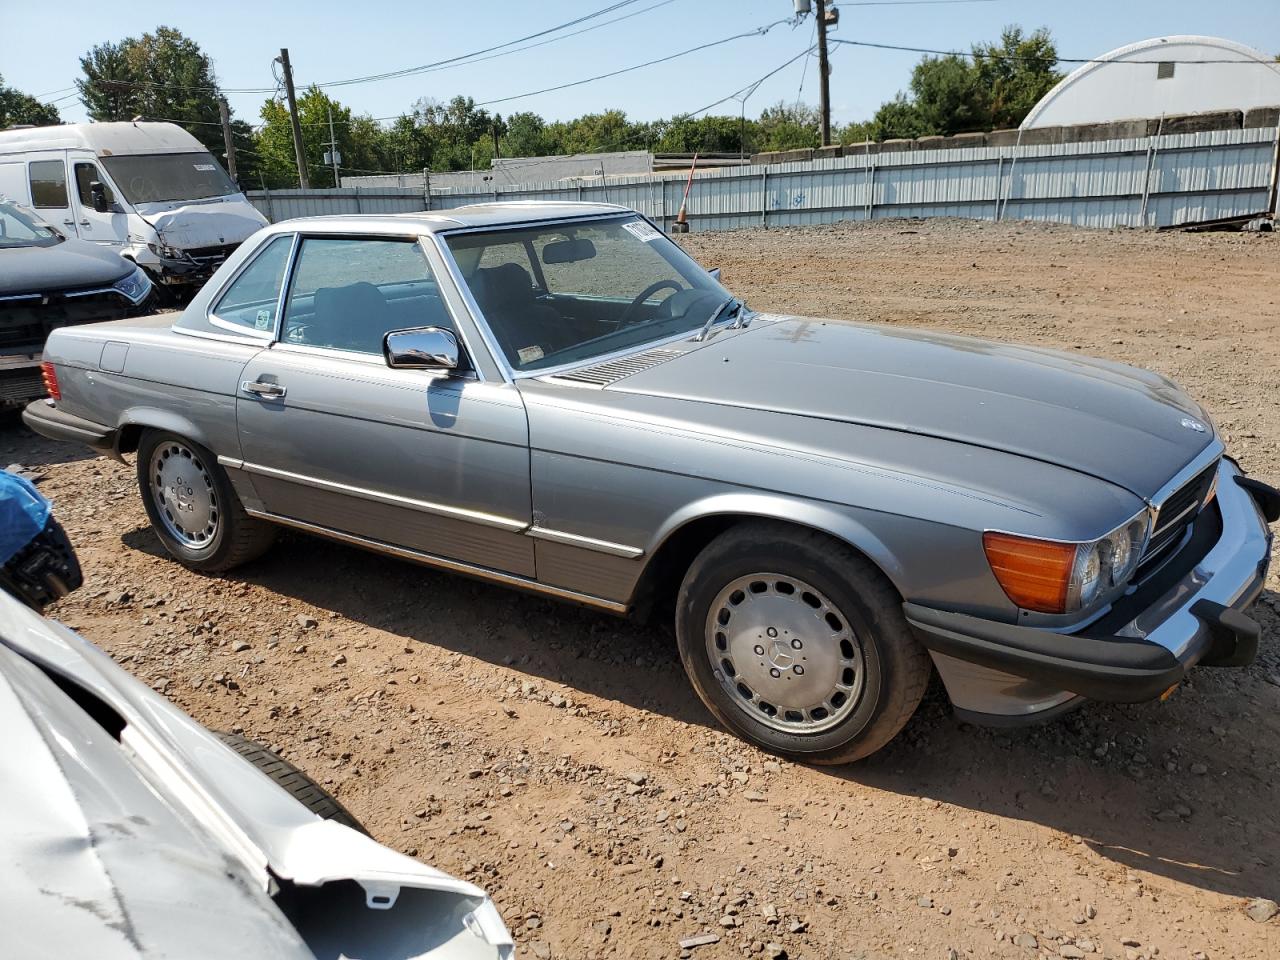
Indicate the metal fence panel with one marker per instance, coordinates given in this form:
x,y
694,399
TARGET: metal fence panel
x,y
1150,181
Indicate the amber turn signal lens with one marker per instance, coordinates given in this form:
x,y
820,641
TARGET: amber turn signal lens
x,y
50,378
1035,574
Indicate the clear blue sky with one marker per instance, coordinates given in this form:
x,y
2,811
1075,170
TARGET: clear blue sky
x,y
337,40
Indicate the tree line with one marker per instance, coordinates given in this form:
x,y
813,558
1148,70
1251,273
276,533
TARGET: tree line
x,y
165,75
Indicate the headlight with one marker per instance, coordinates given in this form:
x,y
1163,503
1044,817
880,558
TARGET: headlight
x,y
135,286
169,253
1050,576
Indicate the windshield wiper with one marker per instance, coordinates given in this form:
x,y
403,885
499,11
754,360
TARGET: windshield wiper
x,y
715,315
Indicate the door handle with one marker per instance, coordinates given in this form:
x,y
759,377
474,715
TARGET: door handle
x,y
260,389
84,223
69,222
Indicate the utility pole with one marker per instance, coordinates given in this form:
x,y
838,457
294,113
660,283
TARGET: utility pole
x,y
300,154
225,113
824,89
332,156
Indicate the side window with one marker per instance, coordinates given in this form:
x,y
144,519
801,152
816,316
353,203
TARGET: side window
x,y
348,293
48,183
252,298
86,173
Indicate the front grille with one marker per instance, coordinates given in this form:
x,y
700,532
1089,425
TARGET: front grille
x,y
208,256
26,323
1177,514
20,386
603,374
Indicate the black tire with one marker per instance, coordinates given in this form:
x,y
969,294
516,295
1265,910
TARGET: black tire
x,y
237,538
300,786
892,667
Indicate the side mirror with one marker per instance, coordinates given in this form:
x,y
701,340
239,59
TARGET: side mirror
x,y
421,348
715,274
98,196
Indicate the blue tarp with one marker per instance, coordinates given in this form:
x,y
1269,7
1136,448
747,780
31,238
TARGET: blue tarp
x,y
23,514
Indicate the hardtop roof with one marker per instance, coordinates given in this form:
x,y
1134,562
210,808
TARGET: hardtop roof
x,y
104,139
501,214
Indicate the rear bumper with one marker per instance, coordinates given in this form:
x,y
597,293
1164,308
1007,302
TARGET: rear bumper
x,y
1189,612
49,421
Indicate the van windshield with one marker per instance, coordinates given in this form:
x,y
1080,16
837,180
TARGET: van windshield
x,y
158,177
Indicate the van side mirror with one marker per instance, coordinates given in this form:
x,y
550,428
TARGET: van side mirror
x,y
421,348
98,196
715,274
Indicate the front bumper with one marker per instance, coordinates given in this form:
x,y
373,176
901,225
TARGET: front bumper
x,y
48,421
1188,612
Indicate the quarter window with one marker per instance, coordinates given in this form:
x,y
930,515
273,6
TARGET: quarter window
x,y
251,300
86,173
348,293
48,184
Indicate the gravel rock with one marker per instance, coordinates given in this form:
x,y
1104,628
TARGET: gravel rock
x,y
1261,910
706,939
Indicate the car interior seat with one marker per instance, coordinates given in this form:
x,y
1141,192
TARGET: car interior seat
x,y
354,317
506,295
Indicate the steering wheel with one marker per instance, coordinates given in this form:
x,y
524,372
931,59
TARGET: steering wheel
x,y
644,295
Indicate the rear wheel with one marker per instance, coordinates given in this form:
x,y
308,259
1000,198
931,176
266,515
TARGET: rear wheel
x,y
193,508
798,644
300,786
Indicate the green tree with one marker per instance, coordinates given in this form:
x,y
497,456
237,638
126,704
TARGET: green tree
x,y
1015,74
17,107
996,87
364,145
161,76
949,96
526,136
898,118
789,126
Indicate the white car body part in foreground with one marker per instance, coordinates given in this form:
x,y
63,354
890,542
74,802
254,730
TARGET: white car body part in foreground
x,y
127,830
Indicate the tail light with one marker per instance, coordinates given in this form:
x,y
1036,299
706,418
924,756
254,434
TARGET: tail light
x,y
50,378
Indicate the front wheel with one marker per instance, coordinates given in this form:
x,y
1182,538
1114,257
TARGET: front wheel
x,y
798,644
193,508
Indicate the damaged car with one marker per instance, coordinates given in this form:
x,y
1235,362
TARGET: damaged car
x,y
556,397
130,831
49,280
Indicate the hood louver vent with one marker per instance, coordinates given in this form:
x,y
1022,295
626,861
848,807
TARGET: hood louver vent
x,y
603,374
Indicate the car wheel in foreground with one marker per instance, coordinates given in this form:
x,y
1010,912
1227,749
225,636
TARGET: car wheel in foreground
x,y
798,644
192,506
300,786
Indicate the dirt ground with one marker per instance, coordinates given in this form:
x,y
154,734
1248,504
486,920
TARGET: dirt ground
x,y
558,758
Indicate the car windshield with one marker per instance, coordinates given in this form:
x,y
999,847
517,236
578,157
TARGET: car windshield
x,y
159,177
571,292
19,228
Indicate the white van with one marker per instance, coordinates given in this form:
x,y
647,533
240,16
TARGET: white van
x,y
151,191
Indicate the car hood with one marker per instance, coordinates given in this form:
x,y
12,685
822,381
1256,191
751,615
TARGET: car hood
x,y
203,223
72,263
1108,420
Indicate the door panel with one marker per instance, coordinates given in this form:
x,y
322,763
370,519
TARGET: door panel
x,y
50,192
414,458
110,228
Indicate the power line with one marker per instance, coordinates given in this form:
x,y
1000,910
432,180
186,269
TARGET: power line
x,y
749,86
758,31
804,72
407,71
1030,59
476,56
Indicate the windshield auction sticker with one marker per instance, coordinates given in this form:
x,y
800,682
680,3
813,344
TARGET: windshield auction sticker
x,y
641,230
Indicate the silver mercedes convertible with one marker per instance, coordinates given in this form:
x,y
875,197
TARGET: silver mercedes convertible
x,y
554,396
